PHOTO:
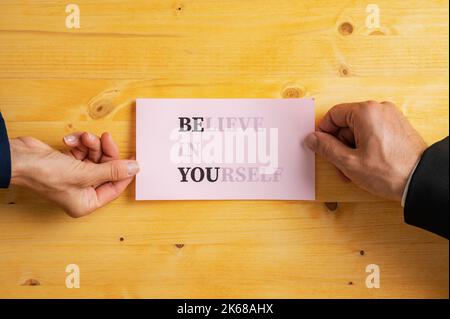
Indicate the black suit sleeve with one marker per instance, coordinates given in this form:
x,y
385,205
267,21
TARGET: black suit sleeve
x,y
5,156
426,204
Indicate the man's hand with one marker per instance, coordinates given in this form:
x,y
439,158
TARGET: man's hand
x,y
81,180
372,144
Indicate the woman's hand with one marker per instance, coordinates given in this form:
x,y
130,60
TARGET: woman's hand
x,y
86,177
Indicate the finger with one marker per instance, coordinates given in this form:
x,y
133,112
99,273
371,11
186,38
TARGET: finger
x,y
93,144
79,154
330,148
113,171
109,148
339,116
73,139
78,150
108,192
342,176
346,136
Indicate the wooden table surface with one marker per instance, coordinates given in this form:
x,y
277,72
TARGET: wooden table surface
x,y
55,80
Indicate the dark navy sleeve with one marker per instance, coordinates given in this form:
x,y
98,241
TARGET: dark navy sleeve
x,y
5,156
427,199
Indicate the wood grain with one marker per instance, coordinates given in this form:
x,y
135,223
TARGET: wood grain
x,y
54,81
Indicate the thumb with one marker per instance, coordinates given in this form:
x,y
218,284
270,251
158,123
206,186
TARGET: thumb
x,y
112,171
330,148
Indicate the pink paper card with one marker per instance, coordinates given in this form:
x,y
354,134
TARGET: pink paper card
x,y
224,149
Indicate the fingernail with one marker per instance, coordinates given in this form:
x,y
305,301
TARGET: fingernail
x,y
91,136
70,138
133,168
311,141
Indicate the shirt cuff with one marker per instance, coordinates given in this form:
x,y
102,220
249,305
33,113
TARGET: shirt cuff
x,y
5,156
405,191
